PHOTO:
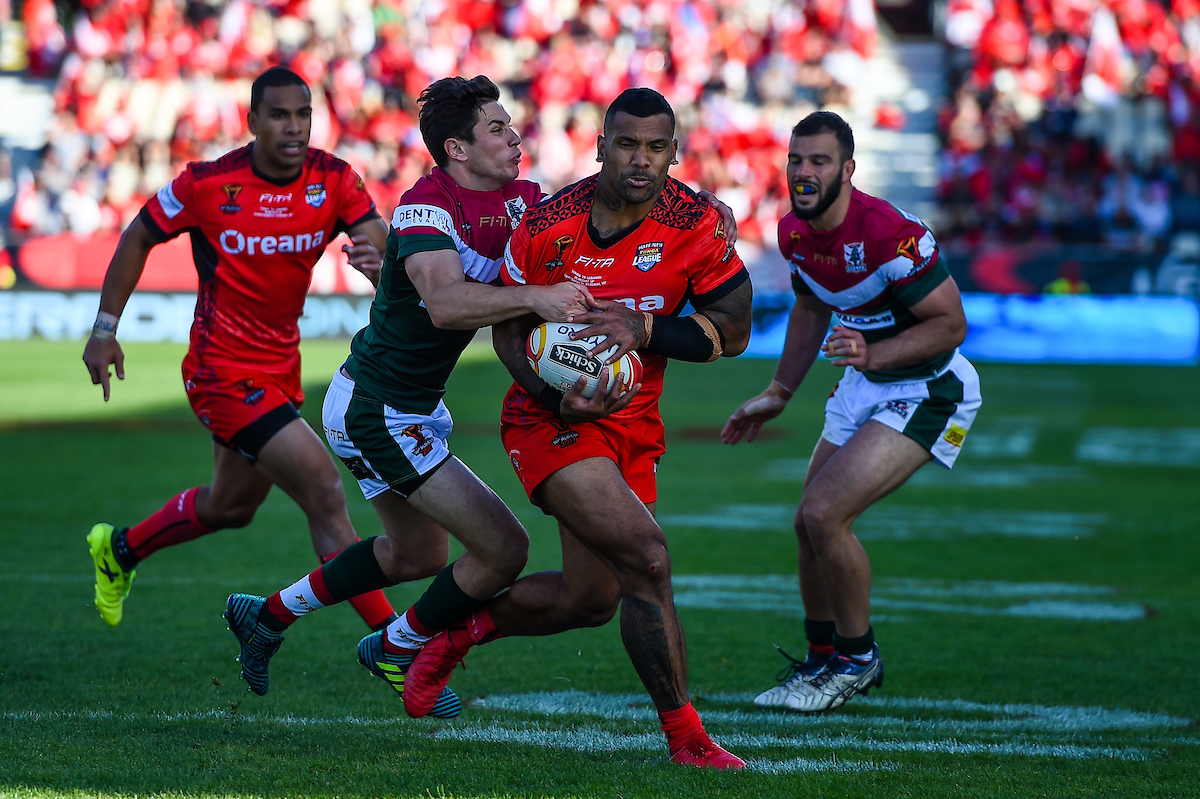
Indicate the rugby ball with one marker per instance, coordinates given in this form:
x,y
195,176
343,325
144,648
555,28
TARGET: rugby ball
x,y
560,360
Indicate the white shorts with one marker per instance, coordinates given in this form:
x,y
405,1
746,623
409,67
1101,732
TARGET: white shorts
x,y
382,447
936,413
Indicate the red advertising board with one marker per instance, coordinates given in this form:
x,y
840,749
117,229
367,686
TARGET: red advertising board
x,y
69,262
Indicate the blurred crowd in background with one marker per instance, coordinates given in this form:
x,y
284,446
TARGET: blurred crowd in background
x,y
143,86
1071,120
1065,120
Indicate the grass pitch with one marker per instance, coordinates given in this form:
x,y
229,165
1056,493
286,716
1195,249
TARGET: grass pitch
x,y
1038,608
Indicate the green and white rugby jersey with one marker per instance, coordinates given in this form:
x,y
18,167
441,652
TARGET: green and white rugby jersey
x,y
400,358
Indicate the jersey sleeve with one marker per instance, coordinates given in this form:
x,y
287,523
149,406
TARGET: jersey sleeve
x,y
911,260
356,204
173,209
715,268
422,223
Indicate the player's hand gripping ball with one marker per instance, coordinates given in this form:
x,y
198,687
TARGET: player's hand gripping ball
x,y
560,360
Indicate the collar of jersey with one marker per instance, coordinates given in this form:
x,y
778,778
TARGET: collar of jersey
x,y
268,178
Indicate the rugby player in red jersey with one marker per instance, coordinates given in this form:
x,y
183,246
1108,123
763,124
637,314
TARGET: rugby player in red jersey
x,y
906,395
259,217
644,245
384,415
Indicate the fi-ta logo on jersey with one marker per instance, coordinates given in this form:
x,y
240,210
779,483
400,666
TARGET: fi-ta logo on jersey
x,y
232,190
235,242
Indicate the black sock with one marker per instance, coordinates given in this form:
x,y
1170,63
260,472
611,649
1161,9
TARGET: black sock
x,y
444,603
855,646
124,554
354,571
819,633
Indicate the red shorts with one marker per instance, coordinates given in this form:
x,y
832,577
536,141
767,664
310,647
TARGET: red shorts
x,y
244,412
539,444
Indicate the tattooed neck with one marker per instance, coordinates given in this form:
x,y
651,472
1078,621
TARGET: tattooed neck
x,y
609,198
612,217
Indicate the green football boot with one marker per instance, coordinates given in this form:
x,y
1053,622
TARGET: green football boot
x,y
258,644
391,668
112,582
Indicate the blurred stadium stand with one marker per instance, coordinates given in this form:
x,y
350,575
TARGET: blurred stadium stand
x,y
1052,145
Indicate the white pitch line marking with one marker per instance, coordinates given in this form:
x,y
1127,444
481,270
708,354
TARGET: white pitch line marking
x,y
779,594
1140,446
594,739
904,586
749,730
1066,719
968,475
905,523
963,475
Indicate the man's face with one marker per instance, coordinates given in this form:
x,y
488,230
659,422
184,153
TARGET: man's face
x,y
815,166
637,151
495,155
281,127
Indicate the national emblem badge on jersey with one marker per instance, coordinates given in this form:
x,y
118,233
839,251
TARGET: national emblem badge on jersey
x,y
648,255
856,256
314,194
515,208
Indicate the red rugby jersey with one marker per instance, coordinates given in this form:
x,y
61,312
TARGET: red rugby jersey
x,y
255,242
677,254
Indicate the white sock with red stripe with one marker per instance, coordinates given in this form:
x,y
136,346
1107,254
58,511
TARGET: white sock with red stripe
x,y
407,633
299,599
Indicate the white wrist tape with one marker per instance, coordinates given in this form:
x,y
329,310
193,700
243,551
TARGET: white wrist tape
x,y
105,325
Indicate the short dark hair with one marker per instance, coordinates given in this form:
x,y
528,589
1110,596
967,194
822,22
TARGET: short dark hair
x,y
828,122
450,108
275,76
641,103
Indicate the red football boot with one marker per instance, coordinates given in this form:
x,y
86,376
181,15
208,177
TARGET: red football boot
x,y
430,672
699,750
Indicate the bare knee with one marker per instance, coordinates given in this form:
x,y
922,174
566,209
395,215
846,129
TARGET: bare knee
x,y
645,566
818,523
504,552
802,538
512,553
325,498
405,565
229,516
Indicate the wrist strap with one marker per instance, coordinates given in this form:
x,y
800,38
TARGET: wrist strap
x,y
105,326
790,391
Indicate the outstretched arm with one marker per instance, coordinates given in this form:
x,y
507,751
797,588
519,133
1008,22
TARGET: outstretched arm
x,y
807,324
124,271
456,304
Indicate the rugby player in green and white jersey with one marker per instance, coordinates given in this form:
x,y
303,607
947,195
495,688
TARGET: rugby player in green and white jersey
x,y
384,415
906,397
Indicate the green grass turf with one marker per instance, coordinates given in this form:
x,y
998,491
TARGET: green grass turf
x,y
987,693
